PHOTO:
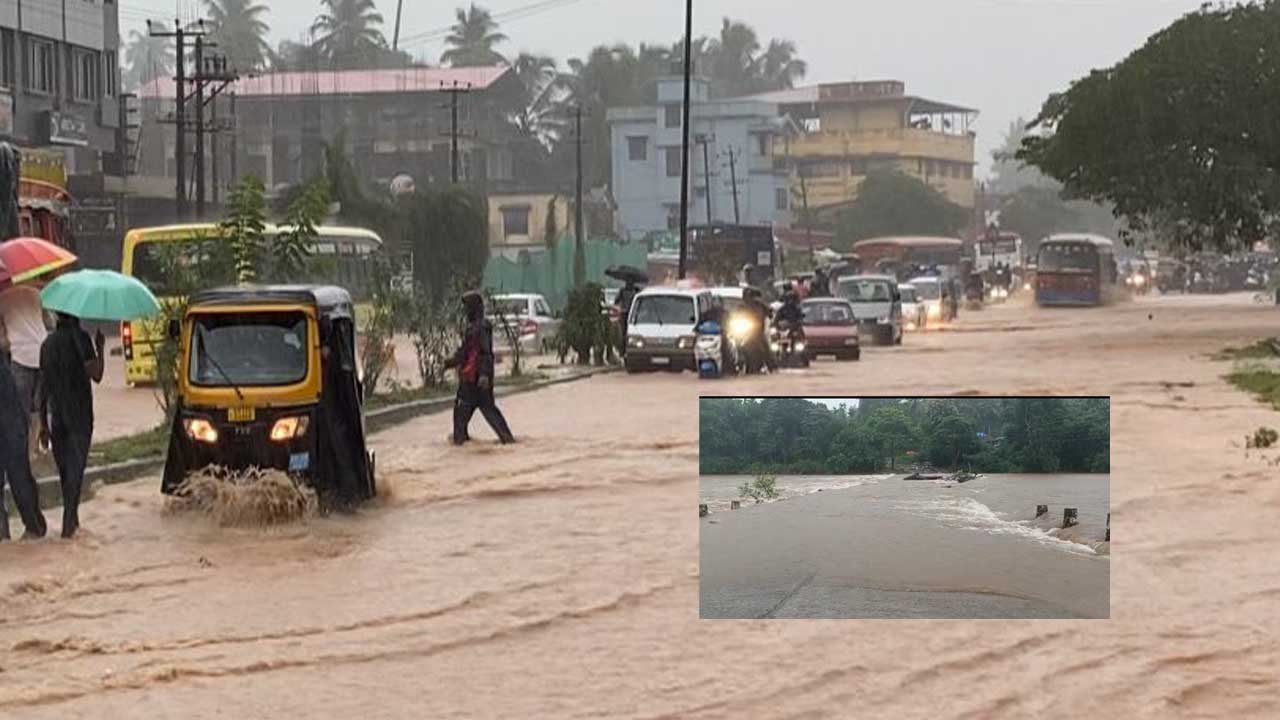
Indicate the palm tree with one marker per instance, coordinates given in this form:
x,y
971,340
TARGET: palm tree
x,y
348,33
146,58
733,57
240,32
537,112
472,40
778,67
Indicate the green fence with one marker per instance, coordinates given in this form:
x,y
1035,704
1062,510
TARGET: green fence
x,y
549,272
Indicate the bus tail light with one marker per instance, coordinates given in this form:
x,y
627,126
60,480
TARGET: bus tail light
x,y
126,339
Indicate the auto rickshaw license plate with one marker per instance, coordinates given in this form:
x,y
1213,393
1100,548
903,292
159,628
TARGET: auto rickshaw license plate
x,y
241,414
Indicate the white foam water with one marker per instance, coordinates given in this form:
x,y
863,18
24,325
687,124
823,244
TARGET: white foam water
x,y
969,514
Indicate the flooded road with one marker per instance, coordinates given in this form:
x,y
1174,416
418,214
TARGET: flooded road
x,y
559,577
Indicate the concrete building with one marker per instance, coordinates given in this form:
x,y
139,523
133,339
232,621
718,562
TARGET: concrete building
x,y
395,122
733,146
60,78
853,128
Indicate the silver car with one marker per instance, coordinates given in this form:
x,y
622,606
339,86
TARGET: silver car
x,y
529,312
913,311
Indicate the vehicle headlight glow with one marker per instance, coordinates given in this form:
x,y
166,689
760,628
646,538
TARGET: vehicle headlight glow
x,y
201,430
883,320
635,341
799,347
1139,279
741,326
774,346
935,311
685,342
288,428
1026,286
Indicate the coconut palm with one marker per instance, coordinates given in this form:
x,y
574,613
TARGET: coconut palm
x,y
348,34
240,32
472,39
778,68
145,58
733,57
538,113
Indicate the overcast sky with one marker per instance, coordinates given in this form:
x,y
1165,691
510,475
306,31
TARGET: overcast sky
x,y
1002,57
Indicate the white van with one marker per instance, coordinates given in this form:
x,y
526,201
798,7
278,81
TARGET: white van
x,y
661,328
876,303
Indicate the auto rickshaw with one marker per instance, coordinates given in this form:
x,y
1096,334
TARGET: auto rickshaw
x,y
267,378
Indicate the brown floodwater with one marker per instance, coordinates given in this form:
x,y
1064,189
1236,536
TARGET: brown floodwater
x,y
559,577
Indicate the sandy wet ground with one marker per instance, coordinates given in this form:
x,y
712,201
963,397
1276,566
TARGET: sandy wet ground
x,y
559,578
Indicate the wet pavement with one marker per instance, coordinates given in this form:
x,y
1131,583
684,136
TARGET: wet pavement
x,y
559,577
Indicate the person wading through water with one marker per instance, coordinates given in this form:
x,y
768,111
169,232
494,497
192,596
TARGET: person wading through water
x,y
68,362
15,466
474,361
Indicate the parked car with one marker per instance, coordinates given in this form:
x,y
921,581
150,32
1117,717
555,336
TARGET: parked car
x,y
661,328
913,311
537,323
929,293
876,304
830,328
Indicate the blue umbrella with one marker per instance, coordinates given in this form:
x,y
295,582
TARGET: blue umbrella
x,y
99,295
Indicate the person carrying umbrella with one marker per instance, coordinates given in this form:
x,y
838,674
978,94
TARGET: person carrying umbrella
x,y
474,362
15,465
70,362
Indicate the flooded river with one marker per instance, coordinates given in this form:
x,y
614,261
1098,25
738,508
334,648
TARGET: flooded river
x,y
559,577
883,547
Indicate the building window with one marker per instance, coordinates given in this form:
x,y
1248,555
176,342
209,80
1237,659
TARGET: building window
x,y
638,148
782,198
84,75
515,221
762,144
8,58
40,72
673,162
819,169
674,114
110,73
673,217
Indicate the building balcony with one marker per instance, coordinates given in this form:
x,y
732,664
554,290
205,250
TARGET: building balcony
x,y
902,142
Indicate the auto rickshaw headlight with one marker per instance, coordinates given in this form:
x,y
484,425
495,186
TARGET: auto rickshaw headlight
x,y
288,428
201,430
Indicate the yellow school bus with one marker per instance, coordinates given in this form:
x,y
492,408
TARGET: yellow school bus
x,y
351,253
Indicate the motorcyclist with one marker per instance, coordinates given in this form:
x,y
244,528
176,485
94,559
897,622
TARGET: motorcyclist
x,y
756,347
790,311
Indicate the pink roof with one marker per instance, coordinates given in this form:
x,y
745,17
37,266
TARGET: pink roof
x,y
347,82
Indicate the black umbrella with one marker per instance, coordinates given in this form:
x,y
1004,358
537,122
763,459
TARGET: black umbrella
x,y
627,273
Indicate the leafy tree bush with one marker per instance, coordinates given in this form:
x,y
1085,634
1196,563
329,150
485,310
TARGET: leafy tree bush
x,y
893,203
245,226
586,330
764,487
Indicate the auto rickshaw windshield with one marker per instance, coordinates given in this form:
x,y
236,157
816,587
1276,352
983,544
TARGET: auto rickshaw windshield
x,y
248,349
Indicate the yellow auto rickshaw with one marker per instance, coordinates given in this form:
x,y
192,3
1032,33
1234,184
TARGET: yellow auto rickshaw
x,y
267,378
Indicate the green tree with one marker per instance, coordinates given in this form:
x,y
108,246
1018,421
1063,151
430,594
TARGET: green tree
x,y
240,32
472,39
291,249
1183,129
145,59
893,203
244,226
892,431
349,34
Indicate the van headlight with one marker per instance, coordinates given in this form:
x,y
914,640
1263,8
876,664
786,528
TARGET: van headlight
x,y
883,320
935,311
201,430
685,342
635,341
288,428
799,347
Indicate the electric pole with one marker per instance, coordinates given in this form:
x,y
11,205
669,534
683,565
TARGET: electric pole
x,y
579,250
706,170
199,81
214,148
733,178
454,92
209,72
684,144
235,143
180,35
395,41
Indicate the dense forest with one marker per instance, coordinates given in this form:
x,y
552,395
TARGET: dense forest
x,y
992,435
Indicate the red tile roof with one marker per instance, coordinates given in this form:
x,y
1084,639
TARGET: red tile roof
x,y
347,82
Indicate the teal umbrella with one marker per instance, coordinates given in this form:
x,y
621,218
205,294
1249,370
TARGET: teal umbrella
x,y
99,295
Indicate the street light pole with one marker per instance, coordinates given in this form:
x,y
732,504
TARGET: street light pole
x,y
684,145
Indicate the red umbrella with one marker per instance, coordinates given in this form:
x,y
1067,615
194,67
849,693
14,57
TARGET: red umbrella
x,y
27,258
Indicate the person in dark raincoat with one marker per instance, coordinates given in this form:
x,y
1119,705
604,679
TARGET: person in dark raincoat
x,y
626,296
474,362
69,361
15,466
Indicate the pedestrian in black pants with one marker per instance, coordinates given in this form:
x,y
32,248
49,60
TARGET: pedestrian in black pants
x,y
15,466
474,361
68,362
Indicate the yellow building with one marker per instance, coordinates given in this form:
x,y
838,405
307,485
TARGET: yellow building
x,y
519,221
854,128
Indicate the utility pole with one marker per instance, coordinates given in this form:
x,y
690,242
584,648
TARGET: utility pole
x,y
684,145
706,170
215,132
395,41
579,250
808,222
199,80
454,92
211,79
235,142
180,35
733,178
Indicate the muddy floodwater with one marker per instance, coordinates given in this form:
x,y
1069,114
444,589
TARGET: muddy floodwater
x,y
559,578
883,547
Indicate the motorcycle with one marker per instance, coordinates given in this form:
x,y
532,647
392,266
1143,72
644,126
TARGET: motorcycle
x,y
709,352
787,342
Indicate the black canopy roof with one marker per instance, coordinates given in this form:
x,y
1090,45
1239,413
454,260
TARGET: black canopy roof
x,y
328,299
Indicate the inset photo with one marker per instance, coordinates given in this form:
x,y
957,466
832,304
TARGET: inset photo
x,y
887,507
